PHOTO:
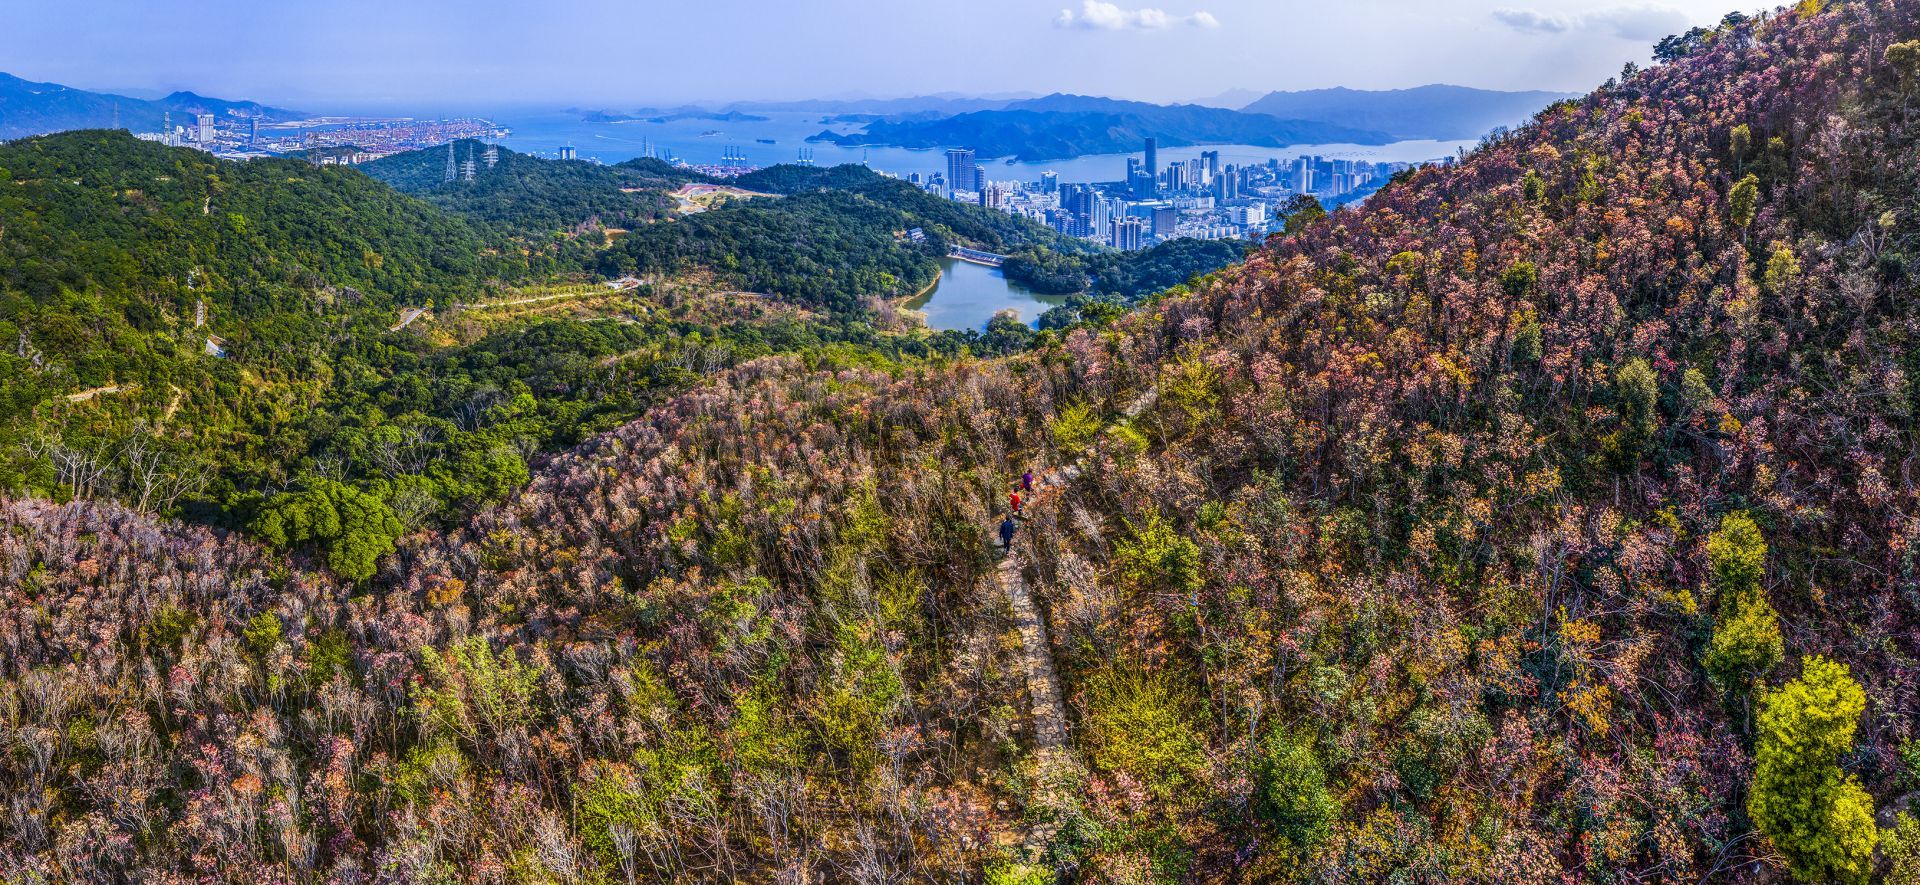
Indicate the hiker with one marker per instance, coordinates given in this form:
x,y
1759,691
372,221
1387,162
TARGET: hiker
x,y
1013,498
1026,482
1007,528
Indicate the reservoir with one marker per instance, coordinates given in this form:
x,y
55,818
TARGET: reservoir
x,y
968,295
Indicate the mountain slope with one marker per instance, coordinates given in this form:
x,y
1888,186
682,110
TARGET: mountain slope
x,y
1419,564
29,108
1438,112
534,195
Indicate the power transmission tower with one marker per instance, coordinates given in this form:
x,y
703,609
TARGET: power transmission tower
x,y
453,171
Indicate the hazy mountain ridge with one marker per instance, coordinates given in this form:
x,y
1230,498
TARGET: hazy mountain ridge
x,y
1064,125
29,108
1437,112
1061,126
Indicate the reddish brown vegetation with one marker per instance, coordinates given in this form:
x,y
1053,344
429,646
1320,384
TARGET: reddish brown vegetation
x,y
1402,574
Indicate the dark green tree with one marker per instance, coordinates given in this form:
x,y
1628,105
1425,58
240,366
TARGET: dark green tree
x,y
350,528
1636,391
1291,790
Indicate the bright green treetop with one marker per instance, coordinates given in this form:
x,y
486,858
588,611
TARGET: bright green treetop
x,y
1816,814
352,528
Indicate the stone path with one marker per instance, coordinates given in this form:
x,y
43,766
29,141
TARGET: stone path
x,y
1048,711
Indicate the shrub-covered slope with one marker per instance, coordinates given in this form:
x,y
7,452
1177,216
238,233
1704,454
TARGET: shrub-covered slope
x,y
1546,519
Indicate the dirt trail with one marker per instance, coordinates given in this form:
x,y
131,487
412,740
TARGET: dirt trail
x,y
1048,711
86,395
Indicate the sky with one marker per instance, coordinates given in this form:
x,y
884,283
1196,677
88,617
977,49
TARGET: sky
x,y
341,55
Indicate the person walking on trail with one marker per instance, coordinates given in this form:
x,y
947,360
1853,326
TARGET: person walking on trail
x,y
1013,498
1007,528
1026,482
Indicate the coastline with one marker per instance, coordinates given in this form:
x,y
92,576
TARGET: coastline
x,y
904,300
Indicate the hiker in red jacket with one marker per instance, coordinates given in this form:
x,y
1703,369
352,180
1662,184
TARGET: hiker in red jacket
x,y
1013,498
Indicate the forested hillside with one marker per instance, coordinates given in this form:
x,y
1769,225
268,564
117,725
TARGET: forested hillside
x,y
835,239
526,194
218,340
1547,518
126,266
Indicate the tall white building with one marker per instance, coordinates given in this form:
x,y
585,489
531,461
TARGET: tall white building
x,y
205,135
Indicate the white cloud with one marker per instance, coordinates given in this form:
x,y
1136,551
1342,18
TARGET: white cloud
x,y
1098,15
1625,22
1533,21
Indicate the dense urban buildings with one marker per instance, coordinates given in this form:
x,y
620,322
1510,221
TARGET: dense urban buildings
x,y
1201,197
333,139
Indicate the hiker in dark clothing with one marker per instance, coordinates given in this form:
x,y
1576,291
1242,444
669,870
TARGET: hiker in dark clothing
x,y
1026,481
1007,528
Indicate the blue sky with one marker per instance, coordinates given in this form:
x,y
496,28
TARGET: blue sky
x,y
343,54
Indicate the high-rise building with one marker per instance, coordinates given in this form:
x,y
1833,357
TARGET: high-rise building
x,y
1166,221
1139,179
1049,182
962,174
1153,160
205,135
1176,177
567,152
1129,234
1212,160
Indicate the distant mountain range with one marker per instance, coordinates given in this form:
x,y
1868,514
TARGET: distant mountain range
x,y
1439,112
941,104
1060,126
667,115
29,108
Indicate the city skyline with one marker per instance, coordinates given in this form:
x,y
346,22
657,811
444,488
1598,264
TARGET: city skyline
x,y
362,55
